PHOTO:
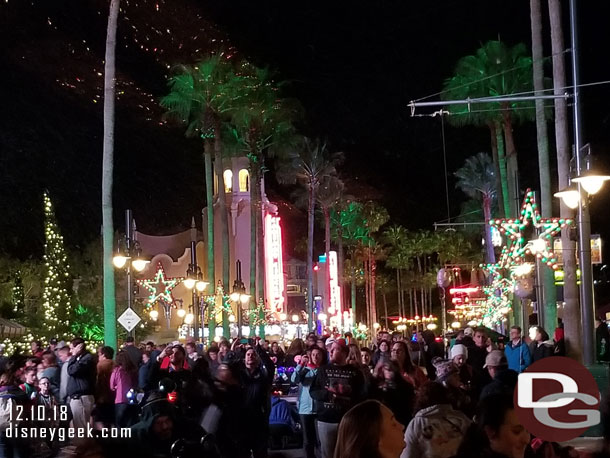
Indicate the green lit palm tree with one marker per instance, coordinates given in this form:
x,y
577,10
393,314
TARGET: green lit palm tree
x,y
476,179
310,166
263,126
201,96
495,69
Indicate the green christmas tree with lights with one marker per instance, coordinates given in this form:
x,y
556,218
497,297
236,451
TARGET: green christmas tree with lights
x,y
18,294
56,295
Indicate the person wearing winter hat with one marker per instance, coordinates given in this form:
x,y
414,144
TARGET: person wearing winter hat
x,y
459,357
448,374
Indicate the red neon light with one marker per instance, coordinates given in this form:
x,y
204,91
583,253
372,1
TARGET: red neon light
x,y
466,290
274,270
335,291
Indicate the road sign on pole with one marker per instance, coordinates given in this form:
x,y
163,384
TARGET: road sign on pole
x,y
129,319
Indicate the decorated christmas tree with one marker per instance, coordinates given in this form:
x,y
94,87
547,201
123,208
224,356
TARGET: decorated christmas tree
x,y
18,294
56,295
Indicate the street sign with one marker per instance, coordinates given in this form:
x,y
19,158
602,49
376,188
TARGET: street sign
x,y
129,319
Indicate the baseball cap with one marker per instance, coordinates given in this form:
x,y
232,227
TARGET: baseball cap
x,y
495,358
329,341
468,331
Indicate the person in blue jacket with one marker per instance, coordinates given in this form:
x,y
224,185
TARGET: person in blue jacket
x,y
517,352
303,375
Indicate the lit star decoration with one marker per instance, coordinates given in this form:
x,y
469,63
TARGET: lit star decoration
x,y
160,287
515,228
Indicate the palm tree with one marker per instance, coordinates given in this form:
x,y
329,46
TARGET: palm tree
x,y
310,166
375,216
571,316
263,126
394,238
497,70
476,179
201,96
548,280
348,229
107,174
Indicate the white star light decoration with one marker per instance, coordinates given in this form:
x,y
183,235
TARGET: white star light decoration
x,y
160,287
519,247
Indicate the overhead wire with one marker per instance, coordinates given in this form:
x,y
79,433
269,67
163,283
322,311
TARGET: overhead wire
x,y
516,67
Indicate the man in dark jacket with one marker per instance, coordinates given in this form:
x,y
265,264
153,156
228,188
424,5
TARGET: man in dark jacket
x,y
336,388
256,377
504,380
135,354
81,383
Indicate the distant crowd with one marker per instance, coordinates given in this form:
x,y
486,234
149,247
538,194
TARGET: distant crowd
x,y
399,397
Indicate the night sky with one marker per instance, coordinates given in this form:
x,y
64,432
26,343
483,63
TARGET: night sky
x,y
353,65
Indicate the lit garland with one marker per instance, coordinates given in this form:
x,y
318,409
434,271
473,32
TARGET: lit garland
x,y
515,251
258,315
160,287
57,282
360,332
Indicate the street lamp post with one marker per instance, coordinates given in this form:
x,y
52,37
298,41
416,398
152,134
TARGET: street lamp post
x,y
239,297
128,256
194,281
588,182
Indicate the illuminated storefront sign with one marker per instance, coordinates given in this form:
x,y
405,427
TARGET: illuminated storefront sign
x,y
334,308
274,271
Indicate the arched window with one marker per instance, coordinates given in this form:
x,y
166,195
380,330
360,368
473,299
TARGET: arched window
x,y
244,180
228,176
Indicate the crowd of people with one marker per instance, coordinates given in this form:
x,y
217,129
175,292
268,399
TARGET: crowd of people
x,y
395,398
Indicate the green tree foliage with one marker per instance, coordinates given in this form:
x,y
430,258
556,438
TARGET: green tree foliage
x,y
476,178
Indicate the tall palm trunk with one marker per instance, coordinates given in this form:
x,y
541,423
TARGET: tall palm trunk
x,y
373,268
398,293
353,294
224,220
260,271
512,167
209,193
255,202
490,257
107,177
496,159
310,226
385,307
326,212
571,313
502,165
341,264
548,280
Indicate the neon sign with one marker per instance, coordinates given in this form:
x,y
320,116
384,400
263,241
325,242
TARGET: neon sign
x,y
274,270
334,289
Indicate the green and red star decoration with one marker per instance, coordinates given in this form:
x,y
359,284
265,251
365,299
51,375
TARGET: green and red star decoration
x,y
518,247
160,287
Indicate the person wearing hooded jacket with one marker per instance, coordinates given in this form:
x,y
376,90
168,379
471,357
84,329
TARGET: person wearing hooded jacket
x,y
437,429
160,426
